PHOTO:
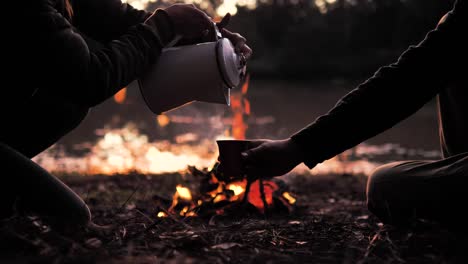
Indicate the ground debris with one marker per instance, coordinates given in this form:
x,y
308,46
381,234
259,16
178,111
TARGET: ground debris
x,y
319,231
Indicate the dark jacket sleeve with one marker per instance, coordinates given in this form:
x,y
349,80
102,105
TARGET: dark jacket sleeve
x,y
68,68
104,20
394,93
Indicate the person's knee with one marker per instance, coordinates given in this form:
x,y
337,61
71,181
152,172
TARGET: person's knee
x,y
380,185
378,182
77,209
84,215
77,215
73,220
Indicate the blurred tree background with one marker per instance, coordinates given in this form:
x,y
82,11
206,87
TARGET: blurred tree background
x,y
323,39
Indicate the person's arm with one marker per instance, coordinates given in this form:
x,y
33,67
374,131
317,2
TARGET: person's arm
x,y
391,95
67,67
105,20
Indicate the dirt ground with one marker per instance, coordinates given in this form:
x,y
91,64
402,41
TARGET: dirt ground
x,y
331,224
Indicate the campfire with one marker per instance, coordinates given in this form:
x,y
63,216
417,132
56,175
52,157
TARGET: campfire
x,y
208,196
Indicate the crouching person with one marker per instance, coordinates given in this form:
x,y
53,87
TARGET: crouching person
x,y
75,54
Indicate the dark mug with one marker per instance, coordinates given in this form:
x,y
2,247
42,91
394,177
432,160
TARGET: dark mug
x,y
231,167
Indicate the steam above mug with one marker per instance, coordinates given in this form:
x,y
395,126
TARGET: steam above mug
x,y
203,72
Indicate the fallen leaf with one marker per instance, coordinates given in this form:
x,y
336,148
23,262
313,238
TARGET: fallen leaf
x,y
226,245
101,187
93,243
358,235
123,231
212,221
363,217
130,206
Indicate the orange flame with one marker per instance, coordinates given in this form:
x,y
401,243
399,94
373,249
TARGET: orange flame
x,y
238,188
240,106
120,96
182,196
245,86
247,106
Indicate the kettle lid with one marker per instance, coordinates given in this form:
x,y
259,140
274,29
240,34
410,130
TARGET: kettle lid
x,y
229,63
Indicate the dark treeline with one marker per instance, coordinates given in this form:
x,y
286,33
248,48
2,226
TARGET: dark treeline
x,y
301,39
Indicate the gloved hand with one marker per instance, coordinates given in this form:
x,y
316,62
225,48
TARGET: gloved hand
x,y
162,25
272,158
186,21
192,24
183,21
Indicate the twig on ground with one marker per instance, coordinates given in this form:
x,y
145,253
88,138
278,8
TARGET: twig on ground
x,y
175,219
262,195
128,199
144,215
247,190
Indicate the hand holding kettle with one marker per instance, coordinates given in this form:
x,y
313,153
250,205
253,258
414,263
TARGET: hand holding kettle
x,y
191,26
202,62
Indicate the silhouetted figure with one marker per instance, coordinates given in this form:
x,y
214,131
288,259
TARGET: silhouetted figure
x,y
401,191
64,58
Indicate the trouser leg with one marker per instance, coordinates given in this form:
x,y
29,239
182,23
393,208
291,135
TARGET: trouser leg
x,y
453,118
33,189
27,131
435,190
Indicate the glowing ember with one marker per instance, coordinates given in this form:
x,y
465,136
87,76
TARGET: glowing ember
x,y
218,191
120,96
182,202
289,197
162,214
184,210
236,188
184,193
191,213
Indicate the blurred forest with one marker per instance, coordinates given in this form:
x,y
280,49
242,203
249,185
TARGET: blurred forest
x,y
328,39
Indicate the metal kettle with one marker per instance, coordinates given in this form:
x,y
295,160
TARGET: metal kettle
x,y
202,72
